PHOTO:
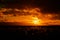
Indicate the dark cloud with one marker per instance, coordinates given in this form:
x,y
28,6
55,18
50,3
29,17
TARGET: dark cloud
x,y
46,5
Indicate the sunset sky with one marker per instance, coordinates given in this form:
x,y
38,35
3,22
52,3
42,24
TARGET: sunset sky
x,y
30,11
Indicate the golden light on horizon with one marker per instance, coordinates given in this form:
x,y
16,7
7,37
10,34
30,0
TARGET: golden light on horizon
x,y
28,16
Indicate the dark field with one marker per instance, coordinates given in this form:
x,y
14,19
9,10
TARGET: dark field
x,y
30,32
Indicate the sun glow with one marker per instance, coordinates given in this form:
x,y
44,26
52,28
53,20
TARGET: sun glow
x,y
36,21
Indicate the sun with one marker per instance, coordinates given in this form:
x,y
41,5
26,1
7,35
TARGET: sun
x,y
36,21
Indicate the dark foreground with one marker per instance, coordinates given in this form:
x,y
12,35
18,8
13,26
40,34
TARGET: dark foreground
x,y
29,32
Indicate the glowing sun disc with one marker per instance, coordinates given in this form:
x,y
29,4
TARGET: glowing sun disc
x,y
36,21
